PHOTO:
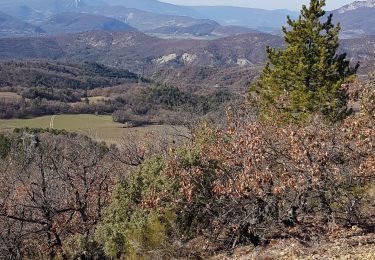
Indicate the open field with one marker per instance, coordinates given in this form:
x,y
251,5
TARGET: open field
x,y
101,128
10,95
96,99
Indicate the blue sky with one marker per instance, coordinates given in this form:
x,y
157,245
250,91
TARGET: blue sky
x,y
265,4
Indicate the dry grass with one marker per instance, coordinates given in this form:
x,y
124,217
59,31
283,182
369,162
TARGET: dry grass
x,y
360,246
96,99
101,128
10,96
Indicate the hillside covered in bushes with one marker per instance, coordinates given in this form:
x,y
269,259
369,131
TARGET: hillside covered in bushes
x,y
287,173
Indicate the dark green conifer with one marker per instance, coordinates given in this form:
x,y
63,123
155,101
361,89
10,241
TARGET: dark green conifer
x,y
306,76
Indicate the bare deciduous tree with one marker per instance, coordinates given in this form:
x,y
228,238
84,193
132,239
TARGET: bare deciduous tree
x,y
58,191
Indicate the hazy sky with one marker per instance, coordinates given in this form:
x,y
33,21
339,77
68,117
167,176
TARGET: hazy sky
x,y
266,4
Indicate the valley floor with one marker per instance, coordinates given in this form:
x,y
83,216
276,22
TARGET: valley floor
x,y
100,128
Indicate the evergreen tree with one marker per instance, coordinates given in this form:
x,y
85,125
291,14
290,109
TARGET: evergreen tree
x,y
4,146
307,76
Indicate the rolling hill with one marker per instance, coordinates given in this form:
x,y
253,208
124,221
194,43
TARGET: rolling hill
x,y
10,26
167,60
153,6
48,6
82,17
152,22
136,50
162,19
81,22
61,75
262,20
179,62
26,14
150,15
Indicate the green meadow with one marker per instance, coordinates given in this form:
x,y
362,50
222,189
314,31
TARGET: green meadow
x,y
101,128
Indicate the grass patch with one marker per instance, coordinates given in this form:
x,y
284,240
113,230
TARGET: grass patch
x,y
38,122
10,96
101,128
96,99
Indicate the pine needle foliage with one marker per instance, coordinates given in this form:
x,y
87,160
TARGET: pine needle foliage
x,y
307,76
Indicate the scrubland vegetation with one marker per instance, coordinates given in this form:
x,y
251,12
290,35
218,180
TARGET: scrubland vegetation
x,y
244,182
296,160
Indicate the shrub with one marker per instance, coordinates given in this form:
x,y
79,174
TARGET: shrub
x,y
4,146
82,247
251,181
53,187
139,221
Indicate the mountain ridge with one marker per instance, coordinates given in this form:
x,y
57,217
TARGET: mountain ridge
x,y
137,51
37,9
79,22
10,25
351,18
168,20
356,5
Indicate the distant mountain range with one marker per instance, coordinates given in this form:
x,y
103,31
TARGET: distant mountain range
x,y
162,24
138,51
153,6
75,16
148,16
131,49
188,47
172,25
183,62
165,20
262,20
259,19
41,6
15,27
356,5
356,19
81,22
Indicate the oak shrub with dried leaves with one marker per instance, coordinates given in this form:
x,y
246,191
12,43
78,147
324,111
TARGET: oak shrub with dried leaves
x,y
250,181
247,182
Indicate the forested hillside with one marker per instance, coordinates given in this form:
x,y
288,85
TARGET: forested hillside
x,y
60,75
50,87
205,60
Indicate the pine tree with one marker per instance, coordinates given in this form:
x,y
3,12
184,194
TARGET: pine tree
x,y
4,146
307,76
